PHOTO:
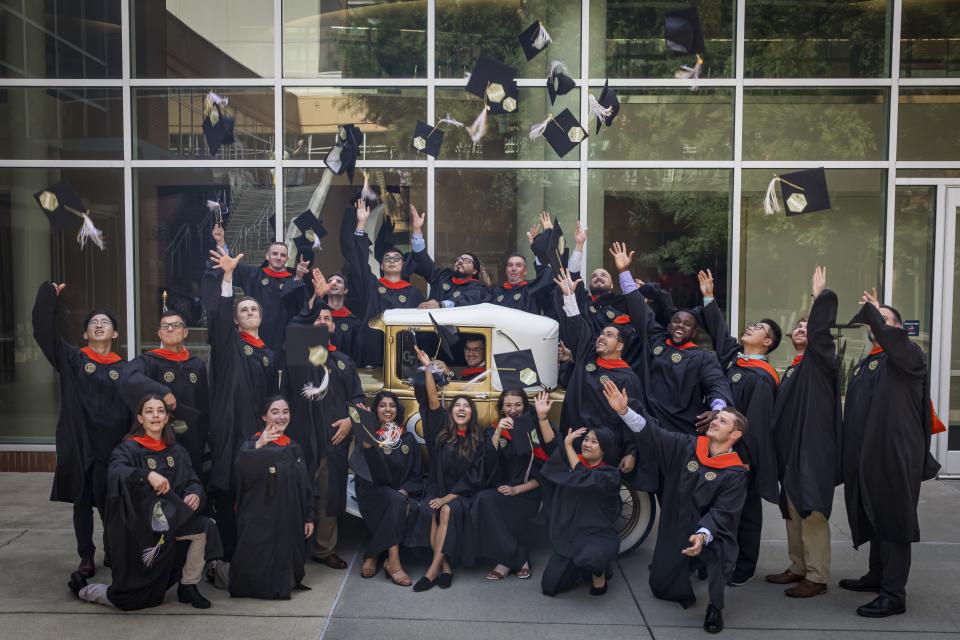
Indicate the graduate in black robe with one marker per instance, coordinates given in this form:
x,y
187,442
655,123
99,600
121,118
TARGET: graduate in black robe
x,y
583,492
178,377
328,292
153,500
457,287
754,383
274,511
389,482
886,455
516,293
373,295
92,420
455,444
704,488
243,372
501,513
806,433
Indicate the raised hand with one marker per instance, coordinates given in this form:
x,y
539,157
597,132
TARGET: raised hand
x,y
870,297
303,268
533,232
422,356
546,221
363,212
566,284
416,220
224,262
580,235
621,257
616,398
505,423
541,404
58,288
572,435
320,284
706,283
563,353
819,281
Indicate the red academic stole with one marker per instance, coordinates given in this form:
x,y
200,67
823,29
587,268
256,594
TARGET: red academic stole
x,y
277,274
748,363
538,452
606,363
462,281
936,424
469,372
390,284
796,360
110,358
174,356
331,347
689,344
342,312
507,285
149,443
281,441
722,461
622,319
249,339
587,465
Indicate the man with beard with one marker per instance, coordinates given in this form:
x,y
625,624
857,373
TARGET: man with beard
x,y
886,455
754,385
806,419
93,419
602,305
448,288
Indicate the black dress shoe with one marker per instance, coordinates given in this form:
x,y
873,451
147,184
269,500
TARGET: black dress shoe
x,y
859,585
189,594
881,607
77,582
87,568
713,622
424,584
444,580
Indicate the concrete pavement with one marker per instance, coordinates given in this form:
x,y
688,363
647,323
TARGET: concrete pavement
x,y
37,556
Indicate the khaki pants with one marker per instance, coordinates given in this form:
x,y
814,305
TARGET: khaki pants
x,y
325,530
808,545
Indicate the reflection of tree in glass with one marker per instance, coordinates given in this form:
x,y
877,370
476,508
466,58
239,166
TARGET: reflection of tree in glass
x,y
926,30
385,39
394,111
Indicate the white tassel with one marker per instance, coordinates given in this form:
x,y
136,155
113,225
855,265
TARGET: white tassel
x,y
691,73
543,38
599,110
366,192
150,554
771,202
451,121
478,129
556,67
89,232
536,131
390,439
311,392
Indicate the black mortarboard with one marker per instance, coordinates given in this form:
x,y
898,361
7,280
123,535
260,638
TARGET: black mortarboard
x,y
448,336
557,252
563,132
496,83
306,345
682,31
350,135
305,250
558,82
217,129
541,246
311,228
517,369
365,424
185,417
534,39
342,158
426,139
524,426
67,212
606,107
803,192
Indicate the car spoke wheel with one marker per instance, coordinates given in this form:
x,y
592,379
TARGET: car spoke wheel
x,y
635,517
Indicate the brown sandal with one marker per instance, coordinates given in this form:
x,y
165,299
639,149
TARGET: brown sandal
x,y
524,572
496,575
366,571
399,578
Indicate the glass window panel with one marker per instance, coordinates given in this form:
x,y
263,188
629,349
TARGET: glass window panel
x,y
929,128
76,39
815,124
173,238
929,39
466,28
507,134
677,220
69,123
817,39
928,173
168,123
502,205
386,117
667,124
30,252
913,254
370,39
779,253
626,39
208,39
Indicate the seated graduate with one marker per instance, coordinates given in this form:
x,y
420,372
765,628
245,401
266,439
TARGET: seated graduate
x,y
583,493
703,491
389,484
455,443
500,515
274,510
153,496
473,354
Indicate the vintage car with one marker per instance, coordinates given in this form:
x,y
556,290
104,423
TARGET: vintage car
x,y
503,330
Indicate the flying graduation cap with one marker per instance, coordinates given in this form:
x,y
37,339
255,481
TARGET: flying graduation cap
x,y
496,83
684,36
306,345
534,39
427,139
312,232
517,369
606,107
802,191
342,157
563,132
67,212
220,213
217,125
558,82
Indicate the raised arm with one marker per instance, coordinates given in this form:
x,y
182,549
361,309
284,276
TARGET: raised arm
x,y
220,310
577,331
901,352
45,322
823,315
421,261
725,346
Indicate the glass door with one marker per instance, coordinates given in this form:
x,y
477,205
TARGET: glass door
x,y
946,352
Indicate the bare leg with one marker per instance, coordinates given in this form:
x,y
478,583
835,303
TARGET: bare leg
x,y
438,540
395,569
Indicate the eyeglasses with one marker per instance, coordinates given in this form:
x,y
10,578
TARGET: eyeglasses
x,y
465,259
473,349
392,258
759,325
171,326
99,323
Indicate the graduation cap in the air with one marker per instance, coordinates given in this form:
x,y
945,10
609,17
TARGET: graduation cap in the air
x,y
312,229
534,39
306,345
218,212
563,132
447,336
496,83
67,212
558,82
342,158
517,369
427,139
803,192
606,107
683,35
217,125
185,417
557,252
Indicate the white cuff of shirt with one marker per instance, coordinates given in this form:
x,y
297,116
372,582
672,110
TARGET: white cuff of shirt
x,y
709,535
447,304
570,306
226,289
634,421
573,264
718,405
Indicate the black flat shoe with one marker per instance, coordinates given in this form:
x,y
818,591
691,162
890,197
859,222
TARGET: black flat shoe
x,y
881,607
859,584
189,594
444,580
598,591
77,582
713,622
424,584
88,568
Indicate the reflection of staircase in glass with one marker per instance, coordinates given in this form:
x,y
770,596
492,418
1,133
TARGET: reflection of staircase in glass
x,y
251,205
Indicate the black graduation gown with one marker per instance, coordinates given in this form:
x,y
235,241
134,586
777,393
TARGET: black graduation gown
x,y
697,492
886,437
93,419
243,377
445,286
683,381
806,418
274,502
528,296
391,517
268,290
346,332
754,393
585,405
152,372
130,506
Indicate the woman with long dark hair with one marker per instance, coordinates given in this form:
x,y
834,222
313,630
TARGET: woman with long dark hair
x,y
390,500
153,499
455,442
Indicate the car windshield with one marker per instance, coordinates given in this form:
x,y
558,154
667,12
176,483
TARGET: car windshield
x,y
468,349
